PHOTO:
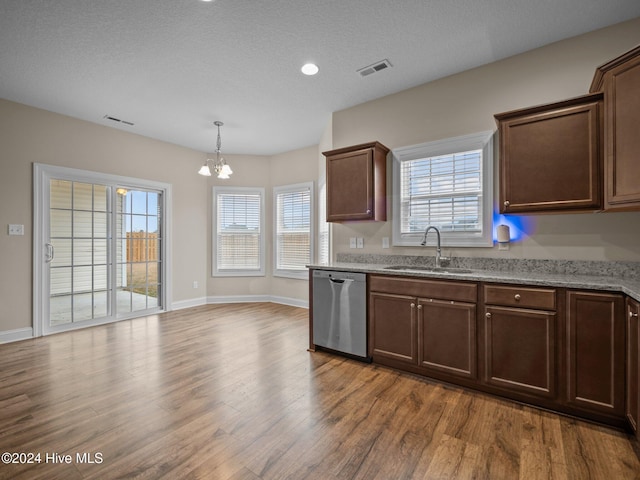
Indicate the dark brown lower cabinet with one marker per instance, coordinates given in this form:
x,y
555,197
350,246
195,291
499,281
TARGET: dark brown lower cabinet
x,y
595,352
393,331
520,350
633,366
431,332
437,336
447,337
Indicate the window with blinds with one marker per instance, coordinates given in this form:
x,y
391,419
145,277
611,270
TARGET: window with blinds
x,y
239,233
323,226
446,184
293,230
444,191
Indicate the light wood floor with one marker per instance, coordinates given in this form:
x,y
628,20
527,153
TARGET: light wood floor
x,y
230,392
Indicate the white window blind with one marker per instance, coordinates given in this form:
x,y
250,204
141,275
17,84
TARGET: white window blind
x,y
293,218
446,184
444,191
323,226
239,232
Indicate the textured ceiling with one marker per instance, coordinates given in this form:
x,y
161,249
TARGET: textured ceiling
x,y
172,67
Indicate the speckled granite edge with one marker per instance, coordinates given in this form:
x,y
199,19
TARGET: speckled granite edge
x,y
621,277
559,267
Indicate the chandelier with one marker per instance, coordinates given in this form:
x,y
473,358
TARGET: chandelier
x,y
218,164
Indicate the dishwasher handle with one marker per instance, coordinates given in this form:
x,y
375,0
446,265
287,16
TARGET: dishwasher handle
x,y
340,280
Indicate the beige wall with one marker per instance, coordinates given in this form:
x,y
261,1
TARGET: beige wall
x,y
29,135
465,103
293,167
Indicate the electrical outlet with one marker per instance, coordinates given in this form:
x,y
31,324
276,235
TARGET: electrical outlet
x,y
16,229
195,284
385,242
360,242
352,242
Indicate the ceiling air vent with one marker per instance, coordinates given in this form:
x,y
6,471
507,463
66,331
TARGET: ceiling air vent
x,y
376,67
117,120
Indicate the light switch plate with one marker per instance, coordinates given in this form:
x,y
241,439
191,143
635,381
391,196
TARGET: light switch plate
x,y
385,242
360,242
16,229
352,242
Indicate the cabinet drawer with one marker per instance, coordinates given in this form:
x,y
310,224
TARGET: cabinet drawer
x,y
440,289
515,296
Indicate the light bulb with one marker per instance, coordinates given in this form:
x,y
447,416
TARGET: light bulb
x,y
204,170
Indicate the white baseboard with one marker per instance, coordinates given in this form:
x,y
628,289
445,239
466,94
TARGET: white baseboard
x,y
16,335
194,302
238,299
294,302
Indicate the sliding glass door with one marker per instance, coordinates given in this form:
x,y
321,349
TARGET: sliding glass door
x,y
101,249
78,252
138,259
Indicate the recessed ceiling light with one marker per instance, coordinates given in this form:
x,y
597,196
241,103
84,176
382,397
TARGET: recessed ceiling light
x,y
309,69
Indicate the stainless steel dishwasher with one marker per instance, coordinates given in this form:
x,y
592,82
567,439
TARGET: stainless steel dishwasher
x,y
340,311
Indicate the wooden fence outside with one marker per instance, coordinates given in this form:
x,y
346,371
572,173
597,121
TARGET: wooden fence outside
x,y
142,247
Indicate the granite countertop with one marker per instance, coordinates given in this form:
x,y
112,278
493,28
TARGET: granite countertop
x,y
523,272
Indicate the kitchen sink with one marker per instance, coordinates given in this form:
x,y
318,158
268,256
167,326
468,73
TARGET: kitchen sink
x,y
429,269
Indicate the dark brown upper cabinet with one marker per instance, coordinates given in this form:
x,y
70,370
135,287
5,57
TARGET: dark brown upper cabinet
x,y
620,81
357,183
551,157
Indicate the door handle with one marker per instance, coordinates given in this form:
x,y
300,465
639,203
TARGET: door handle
x,y
50,253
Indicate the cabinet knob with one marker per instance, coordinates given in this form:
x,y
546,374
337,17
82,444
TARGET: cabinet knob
x,y
632,314
506,203
368,212
413,305
419,307
488,315
517,297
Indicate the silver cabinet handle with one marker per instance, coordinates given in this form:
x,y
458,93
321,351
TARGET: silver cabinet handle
x,y
517,297
632,314
413,305
488,315
419,307
506,203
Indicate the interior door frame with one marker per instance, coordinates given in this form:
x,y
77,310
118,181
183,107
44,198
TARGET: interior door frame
x,y
42,174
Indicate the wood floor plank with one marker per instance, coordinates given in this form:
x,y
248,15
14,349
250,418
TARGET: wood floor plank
x,y
230,392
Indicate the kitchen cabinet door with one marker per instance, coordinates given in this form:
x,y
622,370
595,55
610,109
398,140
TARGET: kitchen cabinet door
x,y
520,350
620,80
595,352
356,183
447,337
633,366
551,157
393,330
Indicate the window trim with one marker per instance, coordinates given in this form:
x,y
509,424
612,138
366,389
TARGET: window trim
x,y
476,141
303,273
215,272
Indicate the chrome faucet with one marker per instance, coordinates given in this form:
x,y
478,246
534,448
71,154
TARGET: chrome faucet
x,y
439,258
